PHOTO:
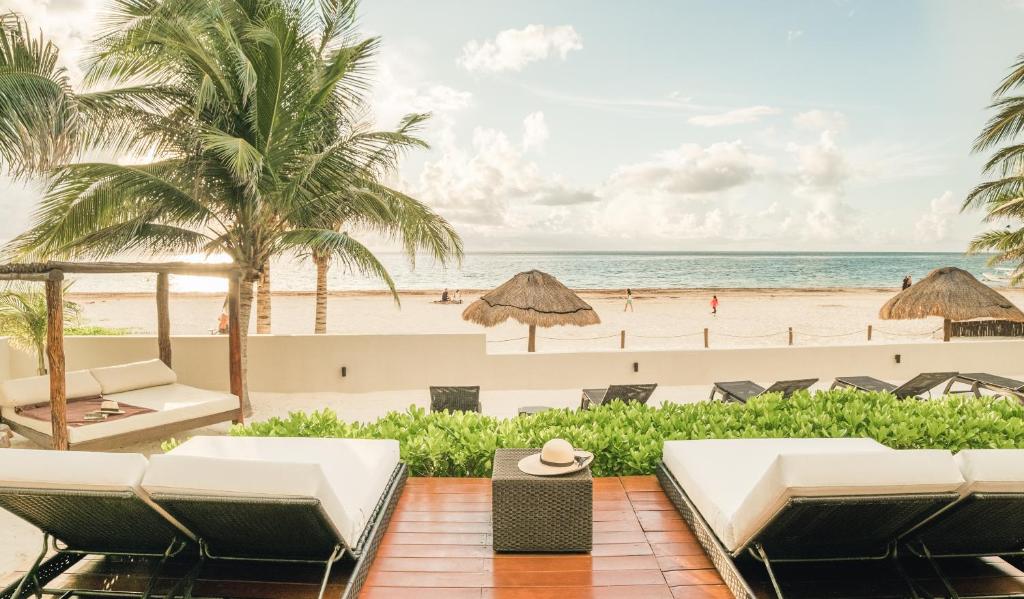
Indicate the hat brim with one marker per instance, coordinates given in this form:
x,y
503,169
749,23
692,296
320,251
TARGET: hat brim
x,y
531,464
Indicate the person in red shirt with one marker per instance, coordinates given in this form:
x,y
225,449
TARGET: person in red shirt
x,y
714,305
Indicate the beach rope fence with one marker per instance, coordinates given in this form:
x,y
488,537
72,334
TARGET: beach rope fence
x,y
788,337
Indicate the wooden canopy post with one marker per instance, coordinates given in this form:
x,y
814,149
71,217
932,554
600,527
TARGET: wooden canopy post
x,y
55,356
947,329
163,317
531,345
235,345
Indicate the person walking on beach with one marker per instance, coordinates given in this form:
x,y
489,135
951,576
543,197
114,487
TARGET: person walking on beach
x,y
629,300
714,305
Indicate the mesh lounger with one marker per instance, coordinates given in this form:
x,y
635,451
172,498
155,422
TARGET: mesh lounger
x,y
625,393
289,500
771,500
983,380
915,387
988,521
741,391
86,504
455,399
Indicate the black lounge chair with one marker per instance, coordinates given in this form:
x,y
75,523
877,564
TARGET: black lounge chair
x,y
915,387
455,399
984,380
741,391
624,393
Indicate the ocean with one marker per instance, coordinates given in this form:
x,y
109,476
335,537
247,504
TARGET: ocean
x,y
604,270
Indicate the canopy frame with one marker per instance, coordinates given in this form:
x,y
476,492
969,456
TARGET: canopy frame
x,y
52,275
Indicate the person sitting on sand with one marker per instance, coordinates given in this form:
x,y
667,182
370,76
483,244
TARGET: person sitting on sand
x,y
444,296
714,305
907,282
629,300
457,298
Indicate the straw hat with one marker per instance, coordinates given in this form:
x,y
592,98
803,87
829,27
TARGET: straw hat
x,y
556,457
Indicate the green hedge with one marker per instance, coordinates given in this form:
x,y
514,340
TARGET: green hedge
x,y
627,439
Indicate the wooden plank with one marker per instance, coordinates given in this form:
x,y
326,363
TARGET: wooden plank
x,y
55,359
163,317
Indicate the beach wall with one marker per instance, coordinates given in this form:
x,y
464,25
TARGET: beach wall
x,y
311,363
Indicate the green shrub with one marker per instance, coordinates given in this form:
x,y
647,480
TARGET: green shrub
x,y
95,330
627,439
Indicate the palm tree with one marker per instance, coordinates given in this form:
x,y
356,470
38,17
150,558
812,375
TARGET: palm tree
x,y
1002,196
37,106
23,318
239,102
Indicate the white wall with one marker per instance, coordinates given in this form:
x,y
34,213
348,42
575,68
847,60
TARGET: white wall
x,y
308,363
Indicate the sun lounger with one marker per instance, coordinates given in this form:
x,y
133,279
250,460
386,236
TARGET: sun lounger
x,y
455,399
802,500
915,387
984,380
741,391
300,500
165,406
624,393
85,504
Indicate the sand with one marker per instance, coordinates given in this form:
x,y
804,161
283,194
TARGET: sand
x,y
661,319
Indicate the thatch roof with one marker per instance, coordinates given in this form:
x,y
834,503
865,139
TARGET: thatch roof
x,y
950,293
532,298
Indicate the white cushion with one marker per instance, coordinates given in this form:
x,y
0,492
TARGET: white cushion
x,y
137,375
46,469
719,474
992,470
36,389
347,476
840,474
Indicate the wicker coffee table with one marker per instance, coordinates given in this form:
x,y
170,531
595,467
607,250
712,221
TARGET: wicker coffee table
x,y
540,513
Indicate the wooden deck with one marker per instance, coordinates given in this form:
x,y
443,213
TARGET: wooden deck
x,y
439,547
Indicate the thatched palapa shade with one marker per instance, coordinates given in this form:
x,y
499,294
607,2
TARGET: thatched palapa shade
x,y
951,294
535,299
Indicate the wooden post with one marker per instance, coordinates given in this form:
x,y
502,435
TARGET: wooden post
x,y
531,346
869,332
791,335
235,345
622,339
55,356
705,337
947,329
163,317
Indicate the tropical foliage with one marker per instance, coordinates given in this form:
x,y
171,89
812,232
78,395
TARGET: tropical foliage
x,y
23,318
1002,195
251,114
627,439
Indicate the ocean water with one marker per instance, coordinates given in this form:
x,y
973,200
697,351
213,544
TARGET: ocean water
x,y
604,270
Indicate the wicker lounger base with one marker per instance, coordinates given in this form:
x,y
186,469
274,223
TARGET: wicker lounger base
x,y
61,563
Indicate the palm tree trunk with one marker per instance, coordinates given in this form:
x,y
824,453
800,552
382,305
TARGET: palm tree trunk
x,y
323,264
263,302
40,360
244,316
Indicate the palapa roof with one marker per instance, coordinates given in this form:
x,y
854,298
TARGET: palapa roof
x,y
532,298
950,293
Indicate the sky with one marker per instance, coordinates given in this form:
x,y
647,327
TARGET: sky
x,y
836,125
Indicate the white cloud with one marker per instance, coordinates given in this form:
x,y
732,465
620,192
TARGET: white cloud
x,y
400,88
535,131
934,225
692,169
821,165
738,116
820,120
513,49
69,24
794,34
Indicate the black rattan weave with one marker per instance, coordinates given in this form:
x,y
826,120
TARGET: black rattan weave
x,y
371,539
540,513
980,524
455,399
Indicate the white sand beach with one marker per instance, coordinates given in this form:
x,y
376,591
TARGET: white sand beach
x,y
664,318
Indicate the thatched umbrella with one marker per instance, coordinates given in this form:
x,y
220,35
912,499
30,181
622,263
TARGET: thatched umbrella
x,y
952,294
533,298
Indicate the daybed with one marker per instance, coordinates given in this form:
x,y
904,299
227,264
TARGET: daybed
x,y
211,500
164,405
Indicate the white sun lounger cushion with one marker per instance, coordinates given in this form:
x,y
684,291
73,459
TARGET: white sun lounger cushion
x,y
992,470
36,389
841,475
137,375
347,476
77,470
718,474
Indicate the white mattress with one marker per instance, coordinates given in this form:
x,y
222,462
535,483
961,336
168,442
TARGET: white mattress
x,y
347,476
173,403
992,470
737,485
